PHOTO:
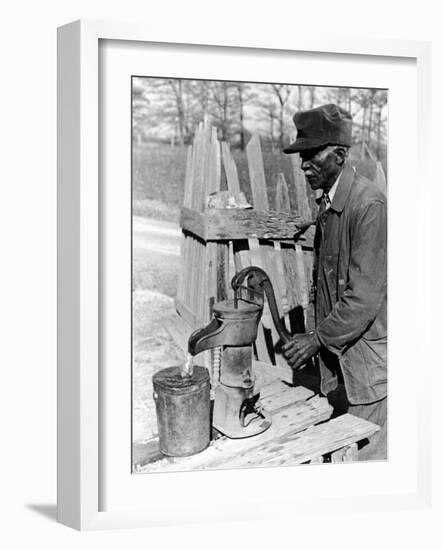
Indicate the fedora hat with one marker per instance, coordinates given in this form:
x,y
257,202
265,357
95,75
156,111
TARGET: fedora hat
x,y
324,125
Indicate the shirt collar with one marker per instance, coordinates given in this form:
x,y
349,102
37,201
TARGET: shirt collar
x,y
341,191
332,191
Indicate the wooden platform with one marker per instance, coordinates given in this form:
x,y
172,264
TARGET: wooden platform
x,y
301,432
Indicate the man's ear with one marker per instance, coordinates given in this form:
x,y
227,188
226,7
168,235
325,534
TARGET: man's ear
x,y
341,155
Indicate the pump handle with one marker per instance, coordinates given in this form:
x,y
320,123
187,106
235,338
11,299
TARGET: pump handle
x,y
258,281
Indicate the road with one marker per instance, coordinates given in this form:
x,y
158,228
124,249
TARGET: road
x,y
156,236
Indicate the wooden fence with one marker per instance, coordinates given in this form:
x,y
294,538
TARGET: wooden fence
x,y
220,237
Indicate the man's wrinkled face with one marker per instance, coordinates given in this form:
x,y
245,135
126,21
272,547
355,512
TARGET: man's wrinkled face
x,y
321,167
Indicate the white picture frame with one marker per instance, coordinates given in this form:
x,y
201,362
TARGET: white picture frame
x,y
79,273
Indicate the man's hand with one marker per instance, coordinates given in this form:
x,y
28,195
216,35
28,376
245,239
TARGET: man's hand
x,y
300,348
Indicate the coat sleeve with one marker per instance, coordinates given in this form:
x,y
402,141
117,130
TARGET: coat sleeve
x,y
366,280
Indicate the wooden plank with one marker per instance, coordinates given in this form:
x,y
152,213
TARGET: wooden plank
x,y
257,176
194,180
346,454
232,223
269,261
202,283
288,255
182,268
367,151
196,168
309,308
234,189
186,278
214,167
284,398
230,170
214,183
270,386
289,262
241,252
187,314
282,198
380,178
262,346
190,268
188,183
242,258
223,270
200,269
201,173
212,272
317,460
269,264
224,452
265,370
194,222
183,275
301,277
187,286
196,270
316,441
205,167
283,256
279,266
267,251
302,203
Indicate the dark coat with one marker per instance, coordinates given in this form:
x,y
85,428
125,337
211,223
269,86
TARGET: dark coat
x,y
351,289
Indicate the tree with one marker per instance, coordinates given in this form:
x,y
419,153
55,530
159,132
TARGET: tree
x,y
340,96
177,88
312,95
371,101
199,100
381,101
282,94
140,108
223,107
300,97
245,96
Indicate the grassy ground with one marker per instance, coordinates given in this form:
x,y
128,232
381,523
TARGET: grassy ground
x,y
153,350
155,272
158,180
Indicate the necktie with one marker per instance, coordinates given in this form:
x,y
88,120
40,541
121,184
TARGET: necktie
x,y
325,203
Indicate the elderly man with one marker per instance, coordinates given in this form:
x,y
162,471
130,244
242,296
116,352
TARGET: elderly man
x,y
350,275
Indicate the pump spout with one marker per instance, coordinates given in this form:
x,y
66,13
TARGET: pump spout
x,y
234,323
208,337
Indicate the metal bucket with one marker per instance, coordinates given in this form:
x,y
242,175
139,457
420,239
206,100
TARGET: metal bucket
x,y
183,410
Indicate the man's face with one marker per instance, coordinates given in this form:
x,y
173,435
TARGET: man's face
x,y
320,166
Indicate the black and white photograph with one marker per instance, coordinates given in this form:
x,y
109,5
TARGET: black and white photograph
x,y
259,274
205,207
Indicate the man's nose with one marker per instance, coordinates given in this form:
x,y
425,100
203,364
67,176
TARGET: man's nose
x,y
305,164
